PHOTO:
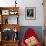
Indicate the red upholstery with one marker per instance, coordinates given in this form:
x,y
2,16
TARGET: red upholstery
x,y
29,33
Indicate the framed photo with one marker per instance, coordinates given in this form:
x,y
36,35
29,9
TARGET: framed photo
x,y
5,12
30,13
0,36
0,19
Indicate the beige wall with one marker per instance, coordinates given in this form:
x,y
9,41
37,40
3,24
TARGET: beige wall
x,y
44,4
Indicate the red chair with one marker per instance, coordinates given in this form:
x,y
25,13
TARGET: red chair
x,y
29,33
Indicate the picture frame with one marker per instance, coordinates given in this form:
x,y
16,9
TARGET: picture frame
x,y
30,13
0,36
5,12
13,12
0,19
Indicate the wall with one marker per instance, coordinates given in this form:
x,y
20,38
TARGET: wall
x,y
44,13
27,3
39,13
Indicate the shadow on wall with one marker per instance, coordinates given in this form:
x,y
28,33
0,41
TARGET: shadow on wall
x,y
37,29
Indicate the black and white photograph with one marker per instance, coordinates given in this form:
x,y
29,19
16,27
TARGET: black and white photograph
x,y
30,13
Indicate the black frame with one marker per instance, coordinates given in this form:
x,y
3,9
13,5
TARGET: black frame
x,y
30,13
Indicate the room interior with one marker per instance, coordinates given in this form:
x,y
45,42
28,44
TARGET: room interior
x,y
16,18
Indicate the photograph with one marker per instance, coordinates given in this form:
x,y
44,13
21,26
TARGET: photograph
x,y
30,13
